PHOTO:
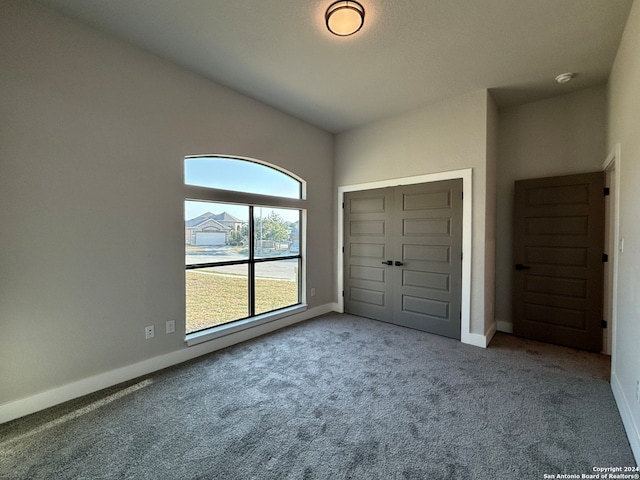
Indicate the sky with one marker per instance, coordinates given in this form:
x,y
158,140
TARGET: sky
x,y
242,176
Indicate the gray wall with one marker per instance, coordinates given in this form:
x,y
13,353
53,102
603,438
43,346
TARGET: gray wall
x,y
490,212
558,136
624,129
446,136
93,133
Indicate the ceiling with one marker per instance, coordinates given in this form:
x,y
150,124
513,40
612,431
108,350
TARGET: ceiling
x,y
408,54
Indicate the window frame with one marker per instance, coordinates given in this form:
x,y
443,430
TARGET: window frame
x,y
252,200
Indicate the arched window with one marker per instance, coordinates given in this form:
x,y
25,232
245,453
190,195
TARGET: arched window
x,y
243,230
241,175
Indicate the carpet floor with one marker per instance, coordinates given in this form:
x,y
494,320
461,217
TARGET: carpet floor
x,y
337,397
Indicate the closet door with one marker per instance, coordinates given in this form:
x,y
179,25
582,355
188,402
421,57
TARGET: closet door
x,y
368,259
428,259
403,255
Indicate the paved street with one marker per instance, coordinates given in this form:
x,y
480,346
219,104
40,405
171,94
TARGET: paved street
x,y
281,270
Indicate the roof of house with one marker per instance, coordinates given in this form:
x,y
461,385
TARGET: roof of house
x,y
216,217
226,217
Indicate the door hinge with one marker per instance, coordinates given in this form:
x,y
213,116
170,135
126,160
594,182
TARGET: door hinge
x,y
342,249
343,293
342,204
462,195
605,257
607,191
603,324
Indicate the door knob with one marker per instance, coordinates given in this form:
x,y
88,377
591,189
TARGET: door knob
x,y
520,266
388,262
399,264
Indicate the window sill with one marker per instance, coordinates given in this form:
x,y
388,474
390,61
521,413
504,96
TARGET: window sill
x,y
224,330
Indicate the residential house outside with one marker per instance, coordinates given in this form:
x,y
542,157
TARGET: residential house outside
x,y
211,229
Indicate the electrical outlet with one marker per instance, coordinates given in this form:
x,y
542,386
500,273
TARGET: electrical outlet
x,y
313,292
638,391
170,326
149,332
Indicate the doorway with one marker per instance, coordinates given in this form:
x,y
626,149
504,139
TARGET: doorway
x,y
403,255
466,174
558,248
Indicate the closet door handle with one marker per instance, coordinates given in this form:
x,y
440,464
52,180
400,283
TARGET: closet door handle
x,y
398,264
388,262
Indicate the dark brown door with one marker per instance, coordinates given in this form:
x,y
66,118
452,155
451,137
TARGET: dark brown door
x,y
403,255
558,251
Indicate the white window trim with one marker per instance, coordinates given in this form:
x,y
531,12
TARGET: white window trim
x,y
206,194
240,325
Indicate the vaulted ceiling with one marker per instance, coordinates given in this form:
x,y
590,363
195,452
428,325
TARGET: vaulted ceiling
x,y
409,52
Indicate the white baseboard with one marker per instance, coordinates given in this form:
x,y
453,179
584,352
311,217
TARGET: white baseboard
x,y
504,326
631,427
25,406
491,331
478,340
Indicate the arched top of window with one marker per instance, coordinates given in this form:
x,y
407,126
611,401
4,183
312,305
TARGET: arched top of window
x,y
241,175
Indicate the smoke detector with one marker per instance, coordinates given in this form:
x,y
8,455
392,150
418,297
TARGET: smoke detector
x,y
564,77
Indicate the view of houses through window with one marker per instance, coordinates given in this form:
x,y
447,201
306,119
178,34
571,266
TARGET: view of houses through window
x,y
242,260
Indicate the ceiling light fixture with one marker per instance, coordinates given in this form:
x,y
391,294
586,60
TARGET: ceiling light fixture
x,y
564,77
344,17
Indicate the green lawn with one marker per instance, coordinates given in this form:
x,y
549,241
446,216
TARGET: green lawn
x,y
213,299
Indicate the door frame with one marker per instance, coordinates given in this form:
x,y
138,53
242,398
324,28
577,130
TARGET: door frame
x,y
467,176
611,166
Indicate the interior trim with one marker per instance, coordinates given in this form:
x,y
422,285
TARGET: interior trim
x,y
235,327
504,326
632,429
612,166
34,403
467,187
